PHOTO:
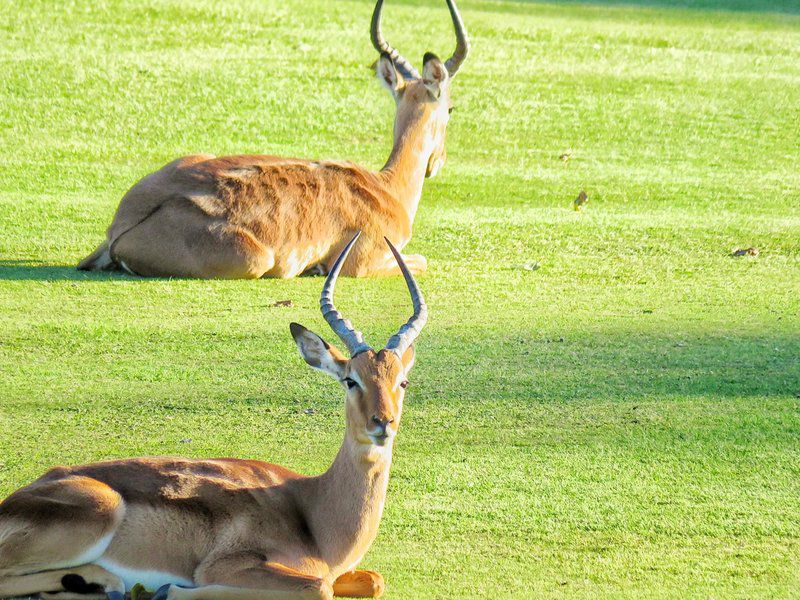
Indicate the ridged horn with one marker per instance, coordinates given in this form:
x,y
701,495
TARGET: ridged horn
x,y
462,41
352,338
409,332
406,69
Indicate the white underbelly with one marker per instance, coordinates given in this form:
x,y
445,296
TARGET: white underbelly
x,y
150,579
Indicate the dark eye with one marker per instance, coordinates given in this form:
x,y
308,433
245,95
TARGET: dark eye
x,y
349,383
404,384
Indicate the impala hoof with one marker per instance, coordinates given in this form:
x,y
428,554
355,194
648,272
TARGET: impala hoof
x,y
161,593
359,584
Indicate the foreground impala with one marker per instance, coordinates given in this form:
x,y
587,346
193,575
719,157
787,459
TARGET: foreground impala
x,y
264,216
225,529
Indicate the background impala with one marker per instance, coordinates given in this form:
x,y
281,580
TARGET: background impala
x,y
235,529
264,216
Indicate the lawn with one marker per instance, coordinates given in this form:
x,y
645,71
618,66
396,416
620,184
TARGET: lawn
x,y
606,403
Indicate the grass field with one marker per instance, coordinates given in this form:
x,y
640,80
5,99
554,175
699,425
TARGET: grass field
x,y
623,420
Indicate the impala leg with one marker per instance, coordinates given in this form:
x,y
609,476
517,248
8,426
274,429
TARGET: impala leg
x,y
359,584
387,266
246,577
155,248
90,581
223,592
416,263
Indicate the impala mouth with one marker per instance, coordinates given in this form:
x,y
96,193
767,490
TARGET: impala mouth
x,y
380,439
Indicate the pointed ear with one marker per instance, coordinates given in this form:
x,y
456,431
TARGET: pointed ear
x,y
317,352
389,76
408,358
434,74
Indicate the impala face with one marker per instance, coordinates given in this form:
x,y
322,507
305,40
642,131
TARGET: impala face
x,y
374,382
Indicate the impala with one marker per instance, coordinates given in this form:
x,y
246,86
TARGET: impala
x,y
225,529
265,216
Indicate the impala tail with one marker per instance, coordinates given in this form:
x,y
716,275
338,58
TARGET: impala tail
x,y
99,260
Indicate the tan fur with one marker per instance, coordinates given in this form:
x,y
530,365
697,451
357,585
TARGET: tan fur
x,y
264,216
236,528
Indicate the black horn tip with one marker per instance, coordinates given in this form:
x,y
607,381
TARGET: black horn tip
x,y
391,245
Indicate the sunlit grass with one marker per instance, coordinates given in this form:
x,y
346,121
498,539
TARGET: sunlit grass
x,y
605,402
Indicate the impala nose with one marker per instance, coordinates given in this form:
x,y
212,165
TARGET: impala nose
x,y
381,424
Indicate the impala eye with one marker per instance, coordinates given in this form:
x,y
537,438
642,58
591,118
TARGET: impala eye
x,y
349,383
404,384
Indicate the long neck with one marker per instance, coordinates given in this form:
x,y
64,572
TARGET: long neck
x,y
345,510
404,172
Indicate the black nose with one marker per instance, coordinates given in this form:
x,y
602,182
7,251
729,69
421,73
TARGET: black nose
x,y
382,423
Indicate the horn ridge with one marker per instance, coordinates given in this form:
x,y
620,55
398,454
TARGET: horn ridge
x,y
462,40
409,332
351,337
406,69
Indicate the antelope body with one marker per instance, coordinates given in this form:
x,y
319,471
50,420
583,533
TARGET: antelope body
x,y
265,216
224,529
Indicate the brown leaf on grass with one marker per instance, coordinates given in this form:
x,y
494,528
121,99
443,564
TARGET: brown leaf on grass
x,y
280,303
745,252
566,157
581,200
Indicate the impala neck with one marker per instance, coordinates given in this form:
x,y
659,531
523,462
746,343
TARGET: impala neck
x,y
405,169
347,507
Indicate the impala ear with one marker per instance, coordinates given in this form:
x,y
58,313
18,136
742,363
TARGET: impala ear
x,y
408,358
388,75
434,74
317,352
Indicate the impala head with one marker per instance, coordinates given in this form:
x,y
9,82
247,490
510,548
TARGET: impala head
x,y
422,99
374,382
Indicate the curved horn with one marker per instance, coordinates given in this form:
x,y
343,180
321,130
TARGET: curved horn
x,y
400,341
353,339
462,40
406,69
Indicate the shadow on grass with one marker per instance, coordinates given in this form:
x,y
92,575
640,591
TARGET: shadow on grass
x,y
616,364
26,270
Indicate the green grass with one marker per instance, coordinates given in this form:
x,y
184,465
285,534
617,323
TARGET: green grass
x,y
622,421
